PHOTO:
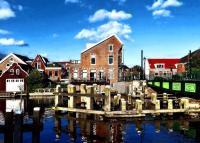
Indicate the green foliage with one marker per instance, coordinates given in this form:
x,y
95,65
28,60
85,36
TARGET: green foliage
x,y
37,80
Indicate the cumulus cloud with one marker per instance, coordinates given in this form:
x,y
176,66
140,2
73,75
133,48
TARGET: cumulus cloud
x,y
162,12
105,30
102,14
160,7
5,10
12,42
71,1
4,32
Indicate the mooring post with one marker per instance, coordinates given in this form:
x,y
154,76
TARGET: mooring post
x,y
88,100
8,135
18,135
57,98
107,106
123,105
36,125
71,102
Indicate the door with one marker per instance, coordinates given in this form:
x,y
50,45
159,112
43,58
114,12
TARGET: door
x,y
15,85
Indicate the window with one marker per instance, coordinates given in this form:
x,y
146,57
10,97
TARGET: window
x,y
17,80
12,71
156,73
110,60
56,73
111,74
110,47
93,59
75,75
21,80
11,60
8,65
84,74
39,65
50,73
0,72
17,71
159,66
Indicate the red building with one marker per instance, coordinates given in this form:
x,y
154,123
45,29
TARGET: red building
x,y
14,78
162,67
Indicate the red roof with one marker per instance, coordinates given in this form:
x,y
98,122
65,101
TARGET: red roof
x,y
168,63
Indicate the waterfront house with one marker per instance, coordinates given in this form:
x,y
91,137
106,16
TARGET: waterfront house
x,y
11,58
13,79
165,68
102,60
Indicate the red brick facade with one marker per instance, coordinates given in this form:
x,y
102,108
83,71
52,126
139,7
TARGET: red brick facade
x,y
102,60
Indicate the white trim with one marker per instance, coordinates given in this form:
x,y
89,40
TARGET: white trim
x,y
11,66
109,47
93,45
36,61
108,59
11,54
53,68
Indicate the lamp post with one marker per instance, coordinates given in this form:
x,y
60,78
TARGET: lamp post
x,y
144,72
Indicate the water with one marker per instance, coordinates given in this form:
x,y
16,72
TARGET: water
x,y
67,129
62,130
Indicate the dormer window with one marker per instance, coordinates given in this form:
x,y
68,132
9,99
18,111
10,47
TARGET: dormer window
x,y
110,47
7,65
160,66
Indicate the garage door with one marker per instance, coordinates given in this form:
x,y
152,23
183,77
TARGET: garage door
x,y
14,85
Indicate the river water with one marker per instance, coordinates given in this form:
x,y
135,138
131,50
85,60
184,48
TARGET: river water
x,y
67,128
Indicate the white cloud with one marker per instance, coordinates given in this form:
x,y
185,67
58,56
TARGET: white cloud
x,y
111,15
159,7
5,10
105,30
171,3
71,1
161,12
11,42
4,32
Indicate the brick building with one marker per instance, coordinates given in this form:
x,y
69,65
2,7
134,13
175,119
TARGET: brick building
x,y
101,61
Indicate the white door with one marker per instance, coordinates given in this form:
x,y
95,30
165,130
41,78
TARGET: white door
x,y
15,85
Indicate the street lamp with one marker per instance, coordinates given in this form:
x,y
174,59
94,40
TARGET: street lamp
x,y
144,77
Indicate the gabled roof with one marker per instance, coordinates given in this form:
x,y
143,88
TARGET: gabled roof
x,y
169,63
18,57
193,54
91,45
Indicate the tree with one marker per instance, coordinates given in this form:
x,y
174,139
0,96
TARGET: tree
x,y
136,71
36,80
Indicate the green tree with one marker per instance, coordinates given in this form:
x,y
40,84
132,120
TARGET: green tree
x,y
37,80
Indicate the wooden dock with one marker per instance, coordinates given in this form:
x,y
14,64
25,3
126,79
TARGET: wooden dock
x,y
125,114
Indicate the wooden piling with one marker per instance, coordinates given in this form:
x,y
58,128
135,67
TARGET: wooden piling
x,y
36,125
8,135
18,135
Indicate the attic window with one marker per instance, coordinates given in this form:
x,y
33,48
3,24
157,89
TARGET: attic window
x,y
110,47
93,59
17,71
7,65
12,71
11,59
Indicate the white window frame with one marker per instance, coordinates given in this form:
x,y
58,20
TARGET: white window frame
x,y
109,58
12,71
163,66
110,45
17,72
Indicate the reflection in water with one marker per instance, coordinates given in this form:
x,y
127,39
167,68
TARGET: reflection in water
x,y
89,130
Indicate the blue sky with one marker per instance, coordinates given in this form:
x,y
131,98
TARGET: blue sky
x,y
60,29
